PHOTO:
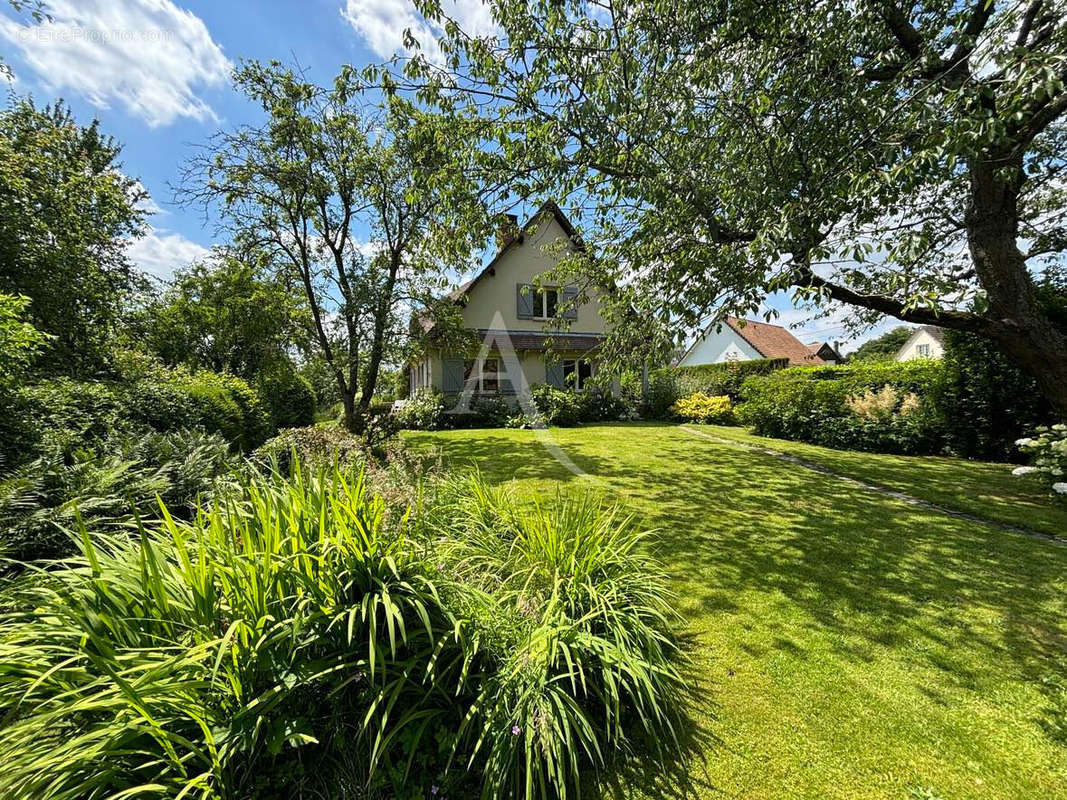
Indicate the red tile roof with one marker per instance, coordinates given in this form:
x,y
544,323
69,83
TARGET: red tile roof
x,y
774,341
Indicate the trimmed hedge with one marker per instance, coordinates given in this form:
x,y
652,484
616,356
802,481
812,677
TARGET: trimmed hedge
x,y
849,407
61,413
668,385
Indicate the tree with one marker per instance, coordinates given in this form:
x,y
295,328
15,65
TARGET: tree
x,y
20,342
66,210
326,167
229,313
884,347
903,159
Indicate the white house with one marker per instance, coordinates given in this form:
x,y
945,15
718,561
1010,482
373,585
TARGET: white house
x,y
925,342
733,339
522,341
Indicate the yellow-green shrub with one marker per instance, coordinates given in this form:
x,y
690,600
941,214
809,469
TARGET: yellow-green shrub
x,y
704,408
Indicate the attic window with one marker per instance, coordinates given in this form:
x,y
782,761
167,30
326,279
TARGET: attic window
x,y
545,301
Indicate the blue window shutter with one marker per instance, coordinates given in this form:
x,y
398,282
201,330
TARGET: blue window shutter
x,y
524,297
452,383
570,294
554,374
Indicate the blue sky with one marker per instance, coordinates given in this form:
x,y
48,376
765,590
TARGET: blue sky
x,y
156,74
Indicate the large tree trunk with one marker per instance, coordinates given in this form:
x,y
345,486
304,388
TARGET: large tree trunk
x,y
377,347
1017,323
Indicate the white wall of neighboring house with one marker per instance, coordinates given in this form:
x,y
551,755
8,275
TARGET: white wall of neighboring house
x,y
920,345
718,346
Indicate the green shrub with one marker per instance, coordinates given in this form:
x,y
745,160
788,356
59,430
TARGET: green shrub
x,y
1046,449
987,402
423,411
602,406
109,486
825,406
556,406
288,397
706,409
667,385
303,642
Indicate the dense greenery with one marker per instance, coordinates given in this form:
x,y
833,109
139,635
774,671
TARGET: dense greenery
x,y
667,385
302,639
880,407
66,209
1046,450
703,408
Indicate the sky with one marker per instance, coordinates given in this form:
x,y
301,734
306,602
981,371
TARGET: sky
x,y
156,73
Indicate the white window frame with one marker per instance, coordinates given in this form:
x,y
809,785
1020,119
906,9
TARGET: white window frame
x,y
579,383
540,301
923,350
479,380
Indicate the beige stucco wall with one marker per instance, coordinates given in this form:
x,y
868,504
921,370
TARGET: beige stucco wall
x,y
491,303
910,350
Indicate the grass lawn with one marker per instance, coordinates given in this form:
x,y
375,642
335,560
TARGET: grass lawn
x,y
847,645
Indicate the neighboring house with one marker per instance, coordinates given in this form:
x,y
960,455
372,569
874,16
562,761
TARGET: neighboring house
x,y
513,318
830,354
925,342
733,339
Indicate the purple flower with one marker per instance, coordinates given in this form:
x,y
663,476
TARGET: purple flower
x,y
433,789
515,730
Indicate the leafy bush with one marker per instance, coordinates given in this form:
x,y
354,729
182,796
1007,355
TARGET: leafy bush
x,y
667,385
64,414
987,402
423,411
699,407
302,642
288,397
556,406
840,406
602,406
1047,453
108,486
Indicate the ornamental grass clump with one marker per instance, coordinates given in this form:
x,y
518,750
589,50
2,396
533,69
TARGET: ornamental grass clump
x,y
1047,451
298,639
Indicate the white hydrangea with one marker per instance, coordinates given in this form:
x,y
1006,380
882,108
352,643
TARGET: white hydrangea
x,y
1023,470
1023,442
1059,488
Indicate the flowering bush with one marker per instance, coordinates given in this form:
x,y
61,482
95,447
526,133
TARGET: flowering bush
x,y
706,409
423,411
1047,450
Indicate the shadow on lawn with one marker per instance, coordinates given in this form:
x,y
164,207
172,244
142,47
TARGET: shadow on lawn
x,y
958,598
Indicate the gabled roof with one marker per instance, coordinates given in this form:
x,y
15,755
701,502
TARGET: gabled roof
x,y
527,227
773,341
818,348
935,333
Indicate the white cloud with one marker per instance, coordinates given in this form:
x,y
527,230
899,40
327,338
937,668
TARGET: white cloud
x,y
149,56
382,23
160,252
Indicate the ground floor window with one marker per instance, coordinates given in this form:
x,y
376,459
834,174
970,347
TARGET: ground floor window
x,y
483,376
577,372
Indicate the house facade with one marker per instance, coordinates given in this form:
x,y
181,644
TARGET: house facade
x,y
523,343
734,339
829,353
925,342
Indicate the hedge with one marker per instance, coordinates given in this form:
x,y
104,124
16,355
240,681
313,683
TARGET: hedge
x,y
669,384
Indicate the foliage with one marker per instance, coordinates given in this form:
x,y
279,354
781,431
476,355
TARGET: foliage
x,y
300,641
987,401
1046,450
106,487
669,384
555,406
707,409
66,212
884,347
326,166
229,313
600,405
288,396
686,149
885,407
20,342
423,411
62,414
